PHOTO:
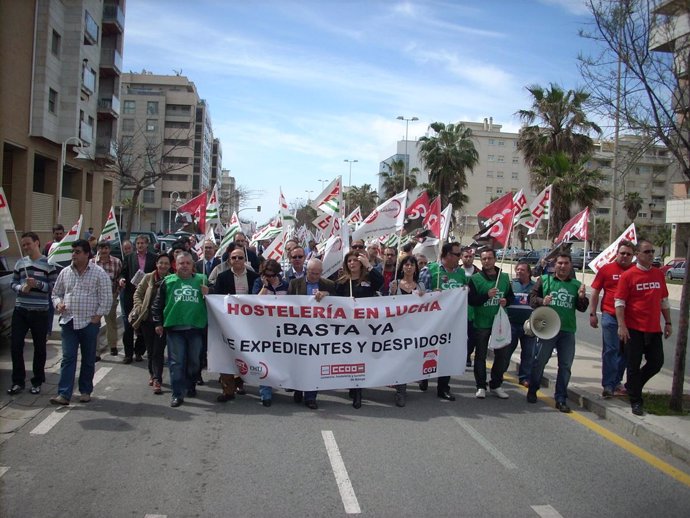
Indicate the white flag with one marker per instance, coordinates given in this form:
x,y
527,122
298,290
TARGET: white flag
x,y
5,214
445,221
522,212
333,253
110,231
387,218
213,208
63,250
276,248
229,235
611,251
539,208
331,199
355,217
4,242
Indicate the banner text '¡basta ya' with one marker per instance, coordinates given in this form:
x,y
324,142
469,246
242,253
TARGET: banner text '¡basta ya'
x,y
329,312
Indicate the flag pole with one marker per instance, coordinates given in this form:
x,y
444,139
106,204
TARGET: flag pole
x,y
584,253
503,257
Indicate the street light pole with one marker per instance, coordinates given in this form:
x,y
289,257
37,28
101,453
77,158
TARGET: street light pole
x,y
61,170
322,182
407,157
177,198
349,182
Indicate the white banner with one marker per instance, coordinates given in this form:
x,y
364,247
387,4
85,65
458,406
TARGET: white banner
x,y
611,251
340,342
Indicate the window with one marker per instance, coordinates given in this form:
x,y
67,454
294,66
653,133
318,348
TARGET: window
x,y
491,158
90,29
176,125
499,191
152,108
492,141
499,174
516,160
501,143
151,125
128,125
129,107
52,100
489,190
501,159
149,196
176,160
514,175
88,75
176,177
489,174
55,42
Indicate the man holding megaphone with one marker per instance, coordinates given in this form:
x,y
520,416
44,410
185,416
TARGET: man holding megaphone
x,y
565,295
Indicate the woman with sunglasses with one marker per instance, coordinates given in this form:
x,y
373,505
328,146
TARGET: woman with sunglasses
x,y
358,279
406,283
269,283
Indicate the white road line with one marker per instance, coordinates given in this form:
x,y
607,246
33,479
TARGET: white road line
x,y
155,516
3,470
347,493
546,511
49,422
495,453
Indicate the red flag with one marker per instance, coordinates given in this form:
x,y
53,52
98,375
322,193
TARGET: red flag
x,y
575,229
432,220
418,208
495,220
196,210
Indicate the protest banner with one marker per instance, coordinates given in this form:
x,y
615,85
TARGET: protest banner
x,y
340,342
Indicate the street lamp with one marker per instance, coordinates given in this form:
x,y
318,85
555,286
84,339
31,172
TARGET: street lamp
x,y
349,182
177,200
82,154
407,157
322,183
257,209
309,193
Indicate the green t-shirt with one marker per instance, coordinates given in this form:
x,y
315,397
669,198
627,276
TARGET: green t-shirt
x,y
184,302
449,281
564,295
484,314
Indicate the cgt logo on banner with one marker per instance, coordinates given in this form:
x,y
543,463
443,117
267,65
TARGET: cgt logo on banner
x,y
296,342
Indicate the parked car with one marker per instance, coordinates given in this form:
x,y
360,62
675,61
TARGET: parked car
x,y
677,272
535,256
657,262
672,264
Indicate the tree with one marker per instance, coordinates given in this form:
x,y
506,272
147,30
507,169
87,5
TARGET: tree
x,y
446,155
561,124
573,183
662,239
632,205
650,98
599,233
394,178
141,161
364,196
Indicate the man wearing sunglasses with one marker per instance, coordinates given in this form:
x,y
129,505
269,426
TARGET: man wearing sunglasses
x,y
612,358
296,270
641,296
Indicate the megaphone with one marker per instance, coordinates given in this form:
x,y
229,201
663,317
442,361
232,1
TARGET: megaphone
x,y
544,323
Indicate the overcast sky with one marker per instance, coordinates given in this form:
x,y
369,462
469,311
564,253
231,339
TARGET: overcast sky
x,y
297,87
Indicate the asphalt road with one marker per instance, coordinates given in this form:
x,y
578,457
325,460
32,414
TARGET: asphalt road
x,y
127,453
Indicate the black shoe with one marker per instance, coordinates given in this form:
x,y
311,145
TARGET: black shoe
x,y
297,396
468,364
351,393
223,398
400,399
240,391
311,404
98,358
637,409
36,389
607,393
531,397
176,401
446,395
191,393
266,402
113,351
138,358
563,408
16,389
127,360
357,399
423,385
200,381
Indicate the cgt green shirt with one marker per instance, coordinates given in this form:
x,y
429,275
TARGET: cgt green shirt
x,y
184,302
484,314
564,295
448,281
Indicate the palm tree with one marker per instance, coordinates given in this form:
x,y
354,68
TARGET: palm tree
x,y
561,124
573,183
365,197
632,204
394,178
447,155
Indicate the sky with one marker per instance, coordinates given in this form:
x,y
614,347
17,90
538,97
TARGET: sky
x,y
295,88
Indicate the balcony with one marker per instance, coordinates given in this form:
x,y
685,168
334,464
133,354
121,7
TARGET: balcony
x,y
663,35
86,132
109,106
113,19
111,62
88,80
106,148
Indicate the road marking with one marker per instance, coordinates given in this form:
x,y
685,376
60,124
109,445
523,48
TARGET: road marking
x,y
55,417
3,470
546,511
347,493
495,453
155,516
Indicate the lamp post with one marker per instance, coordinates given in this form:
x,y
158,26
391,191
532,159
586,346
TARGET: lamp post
x,y
322,182
349,182
177,199
407,157
61,169
309,193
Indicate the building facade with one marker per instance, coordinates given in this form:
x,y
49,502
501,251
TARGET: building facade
x,y
60,85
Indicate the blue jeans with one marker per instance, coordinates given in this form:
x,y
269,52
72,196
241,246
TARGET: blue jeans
x,y
613,361
527,344
265,392
184,351
72,340
564,343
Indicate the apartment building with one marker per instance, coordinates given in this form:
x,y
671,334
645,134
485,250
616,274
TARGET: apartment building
x,y
166,113
60,69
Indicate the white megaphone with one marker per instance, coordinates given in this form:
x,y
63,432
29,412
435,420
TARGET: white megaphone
x,y
544,323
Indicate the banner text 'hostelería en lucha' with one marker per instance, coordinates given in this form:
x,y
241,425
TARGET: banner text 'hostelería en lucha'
x,y
339,342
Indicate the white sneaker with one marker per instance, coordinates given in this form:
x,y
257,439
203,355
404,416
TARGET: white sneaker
x,y
480,394
500,393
